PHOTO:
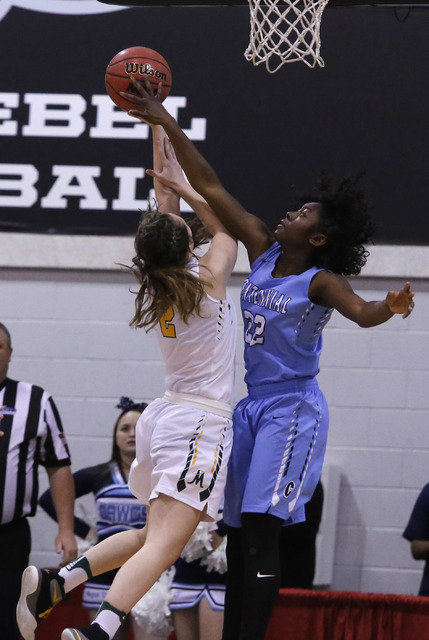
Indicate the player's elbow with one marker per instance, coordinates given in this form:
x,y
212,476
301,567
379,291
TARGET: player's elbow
x,y
420,549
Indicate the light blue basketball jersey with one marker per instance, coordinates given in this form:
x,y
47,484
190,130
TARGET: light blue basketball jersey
x,y
282,328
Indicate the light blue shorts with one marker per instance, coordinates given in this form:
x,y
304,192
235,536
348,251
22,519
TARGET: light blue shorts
x,y
280,433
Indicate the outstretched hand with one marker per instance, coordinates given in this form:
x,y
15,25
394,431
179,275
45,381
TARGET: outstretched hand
x,y
401,301
171,174
149,107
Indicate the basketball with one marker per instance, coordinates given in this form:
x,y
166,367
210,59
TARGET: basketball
x,y
140,62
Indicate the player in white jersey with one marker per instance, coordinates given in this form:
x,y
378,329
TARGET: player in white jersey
x,y
183,440
199,361
196,409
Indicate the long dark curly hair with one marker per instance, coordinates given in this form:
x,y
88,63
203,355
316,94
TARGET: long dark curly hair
x,y
346,222
160,266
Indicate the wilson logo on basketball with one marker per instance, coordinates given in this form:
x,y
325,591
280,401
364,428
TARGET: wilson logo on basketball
x,y
144,69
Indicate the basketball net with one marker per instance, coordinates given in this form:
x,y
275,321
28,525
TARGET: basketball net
x,y
284,31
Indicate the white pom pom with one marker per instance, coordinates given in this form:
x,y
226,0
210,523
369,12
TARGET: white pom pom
x,y
216,560
83,545
199,544
152,612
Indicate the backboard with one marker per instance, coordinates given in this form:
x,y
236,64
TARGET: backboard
x,y
201,3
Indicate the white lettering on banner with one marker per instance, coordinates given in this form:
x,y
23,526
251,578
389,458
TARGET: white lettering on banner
x,y
126,201
198,125
86,188
18,187
41,113
107,116
23,178
60,115
71,7
8,100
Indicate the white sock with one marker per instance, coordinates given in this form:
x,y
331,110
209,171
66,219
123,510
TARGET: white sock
x,y
109,618
75,573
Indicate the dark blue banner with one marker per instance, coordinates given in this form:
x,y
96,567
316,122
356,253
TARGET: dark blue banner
x,y
72,163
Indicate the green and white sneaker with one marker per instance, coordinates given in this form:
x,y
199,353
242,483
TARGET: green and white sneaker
x,y
41,590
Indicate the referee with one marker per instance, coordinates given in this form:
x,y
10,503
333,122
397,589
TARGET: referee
x,y
32,435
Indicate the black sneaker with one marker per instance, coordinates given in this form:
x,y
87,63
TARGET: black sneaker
x,y
41,590
90,632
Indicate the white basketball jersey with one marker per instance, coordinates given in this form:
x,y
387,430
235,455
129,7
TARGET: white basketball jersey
x,y
199,356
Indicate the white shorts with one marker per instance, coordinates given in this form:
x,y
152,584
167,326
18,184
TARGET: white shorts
x,y
182,452
185,596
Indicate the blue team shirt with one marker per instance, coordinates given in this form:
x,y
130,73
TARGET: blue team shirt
x,y
117,508
282,327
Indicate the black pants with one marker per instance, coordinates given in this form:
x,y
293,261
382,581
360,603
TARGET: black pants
x,y
253,579
298,546
15,545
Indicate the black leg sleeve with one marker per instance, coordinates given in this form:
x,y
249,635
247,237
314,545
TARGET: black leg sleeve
x,y
234,585
260,543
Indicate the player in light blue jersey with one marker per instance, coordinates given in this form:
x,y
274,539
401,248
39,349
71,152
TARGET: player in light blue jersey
x,y
280,429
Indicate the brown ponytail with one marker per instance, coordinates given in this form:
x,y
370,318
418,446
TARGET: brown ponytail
x,y
160,266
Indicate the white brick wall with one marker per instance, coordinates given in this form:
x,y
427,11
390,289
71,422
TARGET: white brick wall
x,y
70,334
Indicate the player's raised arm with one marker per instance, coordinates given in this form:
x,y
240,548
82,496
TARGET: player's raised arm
x,y
246,227
167,197
168,174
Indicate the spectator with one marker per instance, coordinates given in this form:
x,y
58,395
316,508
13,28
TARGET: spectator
x,y
417,532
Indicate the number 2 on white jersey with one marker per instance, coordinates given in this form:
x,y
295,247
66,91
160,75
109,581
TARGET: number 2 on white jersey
x,y
168,329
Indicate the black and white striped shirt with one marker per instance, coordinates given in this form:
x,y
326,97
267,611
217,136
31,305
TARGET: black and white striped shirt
x,y
33,435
